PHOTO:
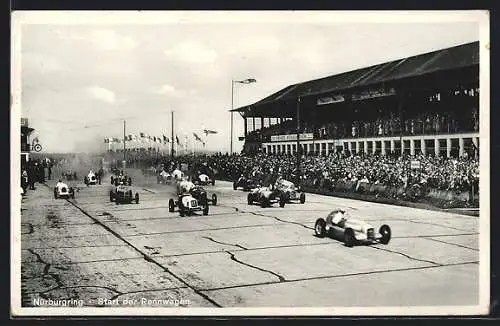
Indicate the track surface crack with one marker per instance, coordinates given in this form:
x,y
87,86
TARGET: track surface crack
x,y
224,243
281,278
407,256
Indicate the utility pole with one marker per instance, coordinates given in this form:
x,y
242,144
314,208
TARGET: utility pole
x,y
124,146
172,138
232,107
298,152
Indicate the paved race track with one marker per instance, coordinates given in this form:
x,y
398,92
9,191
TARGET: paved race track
x,y
239,255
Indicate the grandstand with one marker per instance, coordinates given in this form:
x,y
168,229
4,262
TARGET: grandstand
x,y
426,104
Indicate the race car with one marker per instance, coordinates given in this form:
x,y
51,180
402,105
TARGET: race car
x,y
163,177
245,183
121,178
90,179
203,179
200,194
266,196
187,205
338,225
290,190
122,194
61,190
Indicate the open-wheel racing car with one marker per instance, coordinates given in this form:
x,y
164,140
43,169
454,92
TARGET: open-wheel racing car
x,y
266,196
245,183
164,177
61,190
90,179
188,204
290,191
338,225
203,180
121,179
122,194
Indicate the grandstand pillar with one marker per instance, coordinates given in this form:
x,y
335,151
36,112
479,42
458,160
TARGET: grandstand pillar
x,y
357,147
365,148
374,146
245,126
382,148
448,147
412,147
349,144
460,147
436,147
422,147
393,146
326,148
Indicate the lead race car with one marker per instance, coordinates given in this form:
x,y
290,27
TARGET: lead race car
x,y
123,194
352,231
290,191
62,190
266,196
191,198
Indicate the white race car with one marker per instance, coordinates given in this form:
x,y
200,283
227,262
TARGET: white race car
x,y
187,205
90,179
164,177
290,191
338,225
61,190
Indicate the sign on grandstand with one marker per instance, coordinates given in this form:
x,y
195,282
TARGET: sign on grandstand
x,y
330,99
415,165
308,136
373,93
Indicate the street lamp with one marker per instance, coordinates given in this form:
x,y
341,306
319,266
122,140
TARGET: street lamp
x,y
244,81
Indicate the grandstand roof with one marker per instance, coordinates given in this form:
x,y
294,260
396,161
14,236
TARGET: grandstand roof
x,y
461,56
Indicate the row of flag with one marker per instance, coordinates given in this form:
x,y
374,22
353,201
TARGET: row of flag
x,y
143,137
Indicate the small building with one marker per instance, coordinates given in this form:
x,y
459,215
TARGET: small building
x,y
25,140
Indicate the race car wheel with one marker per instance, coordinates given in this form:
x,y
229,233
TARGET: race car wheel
x,y
117,201
86,181
136,198
302,198
110,196
214,199
320,228
385,232
206,209
55,194
171,205
235,186
72,193
249,199
283,200
112,180
349,239
181,212
213,182
264,203
129,181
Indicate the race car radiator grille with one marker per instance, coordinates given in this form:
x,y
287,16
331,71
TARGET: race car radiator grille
x,y
371,233
63,189
193,203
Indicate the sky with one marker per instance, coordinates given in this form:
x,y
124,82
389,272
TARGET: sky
x,y
79,80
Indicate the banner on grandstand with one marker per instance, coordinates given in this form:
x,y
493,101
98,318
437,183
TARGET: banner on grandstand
x,y
373,93
415,165
308,136
330,99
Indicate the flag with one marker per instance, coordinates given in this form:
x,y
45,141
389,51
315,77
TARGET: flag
x,y
207,131
197,137
247,81
177,140
142,135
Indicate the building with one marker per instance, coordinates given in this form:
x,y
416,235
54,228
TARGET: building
x,y
25,139
427,104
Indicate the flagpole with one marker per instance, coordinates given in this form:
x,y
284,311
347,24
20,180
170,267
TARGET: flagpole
x,y
124,146
172,138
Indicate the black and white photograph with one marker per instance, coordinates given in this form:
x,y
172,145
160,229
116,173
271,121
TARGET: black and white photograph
x,y
250,163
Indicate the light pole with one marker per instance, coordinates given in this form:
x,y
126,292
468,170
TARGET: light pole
x,y
244,81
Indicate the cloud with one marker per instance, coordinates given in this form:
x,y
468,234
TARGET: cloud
x,y
101,94
170,90
191,52
111,40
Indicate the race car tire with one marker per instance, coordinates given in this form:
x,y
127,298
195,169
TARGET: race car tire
x,y
117,201
385,232
181,213
213,182
72,193
320,228
302,198
171,205
349,239
112,180
111,196
235,186
86,181
214,199
283,200
55,194
206,209
249,199
264,203
136,198
129,181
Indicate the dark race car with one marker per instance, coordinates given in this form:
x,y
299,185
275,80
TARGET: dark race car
x,y
244,183
123,194
291,192
266,196
200,194
121,178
